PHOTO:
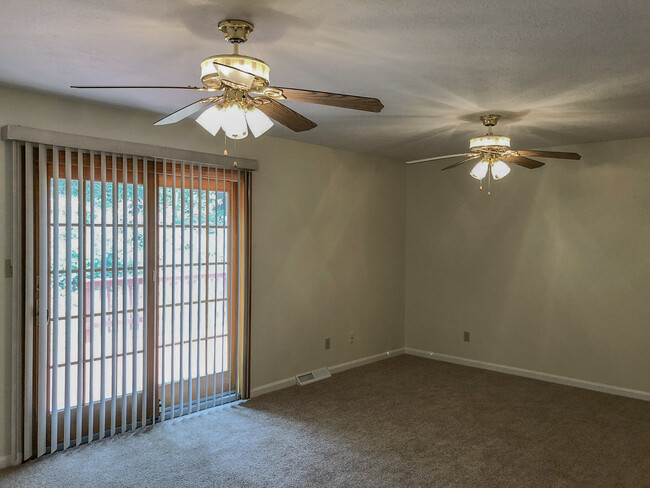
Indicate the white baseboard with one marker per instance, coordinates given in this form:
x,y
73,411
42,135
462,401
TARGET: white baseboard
x,y
276,385
367,360
337,368
527,373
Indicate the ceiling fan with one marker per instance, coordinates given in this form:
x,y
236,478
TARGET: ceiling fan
x,y
493,152
241,96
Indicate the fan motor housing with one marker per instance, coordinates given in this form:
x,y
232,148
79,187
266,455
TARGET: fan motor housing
x,y
490,142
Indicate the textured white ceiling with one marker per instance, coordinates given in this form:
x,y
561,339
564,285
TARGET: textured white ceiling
x,y
560,71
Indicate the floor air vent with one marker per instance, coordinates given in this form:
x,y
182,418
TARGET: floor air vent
x,y
316,375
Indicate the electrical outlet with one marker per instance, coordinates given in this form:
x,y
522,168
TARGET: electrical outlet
x,y
466,336
327,343
351,337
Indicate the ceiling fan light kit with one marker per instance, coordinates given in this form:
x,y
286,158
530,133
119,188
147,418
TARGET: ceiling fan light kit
x,y
493,152
242,99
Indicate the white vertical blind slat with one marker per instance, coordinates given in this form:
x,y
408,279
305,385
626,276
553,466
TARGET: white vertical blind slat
x,y
43,301
54,421
198,295
216,291
228,270
134,397
164,291
125,288
68,294
91,312
208,372
114,279
190,324
147,276
81,266
102,405
30,310
173,311
228,288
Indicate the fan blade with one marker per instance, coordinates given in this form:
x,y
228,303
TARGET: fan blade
x,y
332,99
426,160
460,162
186,111
287,117
235,75
199,88
522,161
549,154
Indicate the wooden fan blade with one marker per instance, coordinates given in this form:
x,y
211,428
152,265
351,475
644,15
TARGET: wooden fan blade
x,y
549,154
186,111
287,117
522,161
199,88
332,99
460,162
426,160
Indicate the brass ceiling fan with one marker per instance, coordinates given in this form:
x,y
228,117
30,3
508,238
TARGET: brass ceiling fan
x,y
493,152
241,96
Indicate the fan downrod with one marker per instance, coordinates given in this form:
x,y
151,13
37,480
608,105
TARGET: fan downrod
x,y
236,31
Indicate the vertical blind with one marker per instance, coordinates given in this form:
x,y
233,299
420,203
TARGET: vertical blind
x,y
135,292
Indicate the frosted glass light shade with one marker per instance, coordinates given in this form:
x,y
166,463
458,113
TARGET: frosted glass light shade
x,y
254,66
235,76
480,170
258,122
499,170
211,119
489,141
234,121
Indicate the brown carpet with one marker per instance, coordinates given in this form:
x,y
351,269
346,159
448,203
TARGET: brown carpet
x,y
402,422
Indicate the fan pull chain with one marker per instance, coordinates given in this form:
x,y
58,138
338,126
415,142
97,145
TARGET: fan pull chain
x,y
489,180
225,151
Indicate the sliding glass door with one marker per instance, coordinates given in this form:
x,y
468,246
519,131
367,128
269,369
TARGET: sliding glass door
x,y
139,263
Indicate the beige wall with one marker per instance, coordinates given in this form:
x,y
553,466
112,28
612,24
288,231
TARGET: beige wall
x,y
328,239
550,273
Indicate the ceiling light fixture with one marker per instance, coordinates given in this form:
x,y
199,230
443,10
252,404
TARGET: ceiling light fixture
x,y
258,121
480,170
211,119
234,121
235,118
499,169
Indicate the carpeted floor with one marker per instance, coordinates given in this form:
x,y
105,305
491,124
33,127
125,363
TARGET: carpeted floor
x,y
401,422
